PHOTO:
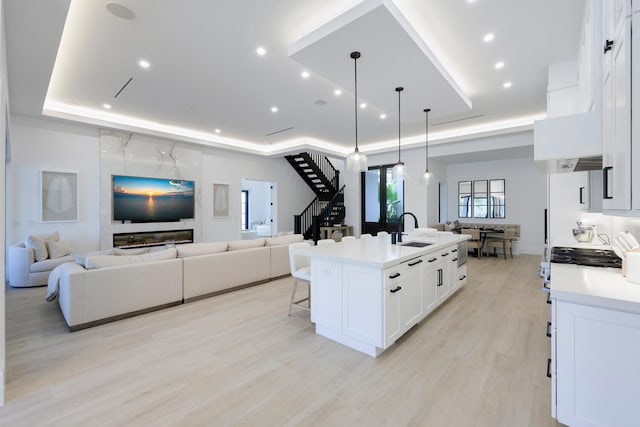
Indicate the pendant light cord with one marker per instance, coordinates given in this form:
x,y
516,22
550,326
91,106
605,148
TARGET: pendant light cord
x,y
399,89
426,138
355,56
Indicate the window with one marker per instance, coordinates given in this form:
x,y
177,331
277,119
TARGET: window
x,y
481,199
244,200
464,199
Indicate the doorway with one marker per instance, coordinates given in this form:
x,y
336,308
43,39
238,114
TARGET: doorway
x,y
382,200
258,210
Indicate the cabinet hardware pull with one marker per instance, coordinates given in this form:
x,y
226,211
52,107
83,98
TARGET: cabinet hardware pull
x,y
454,259
393,291
581,197
440,277
432,259
411,264
548,298
462,278
394,276
605,182
445,254
608,44
549,368
549,329
454,250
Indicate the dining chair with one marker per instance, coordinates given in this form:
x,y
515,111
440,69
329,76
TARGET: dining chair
x,y
301,272
347,238
366,236
475,242
325,242
505,242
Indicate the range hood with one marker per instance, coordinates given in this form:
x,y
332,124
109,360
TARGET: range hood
x,y
569,143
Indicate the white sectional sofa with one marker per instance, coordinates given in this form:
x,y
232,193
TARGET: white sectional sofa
x,y
111,287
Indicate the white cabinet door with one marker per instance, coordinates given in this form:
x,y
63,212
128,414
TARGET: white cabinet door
x,y
430,283
616,114
443,275
597,375
362,304
411,295
326,293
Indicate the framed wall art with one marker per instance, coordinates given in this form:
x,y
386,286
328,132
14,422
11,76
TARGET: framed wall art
x,y
220,200
58,196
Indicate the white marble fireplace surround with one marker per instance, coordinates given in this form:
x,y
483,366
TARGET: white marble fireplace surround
x,y
136,155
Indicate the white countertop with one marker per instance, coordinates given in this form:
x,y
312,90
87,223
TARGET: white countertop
x,y
595,286
379,252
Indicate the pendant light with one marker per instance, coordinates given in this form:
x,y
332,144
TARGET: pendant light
x,y
399,171
427,176
356,161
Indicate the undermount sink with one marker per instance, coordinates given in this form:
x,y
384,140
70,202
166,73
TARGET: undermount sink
x,y
416,244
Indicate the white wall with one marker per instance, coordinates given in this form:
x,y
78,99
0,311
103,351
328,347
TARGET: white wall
x,y
525,196
38,145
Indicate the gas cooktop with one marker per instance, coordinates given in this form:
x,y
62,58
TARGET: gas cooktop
x,y
585,256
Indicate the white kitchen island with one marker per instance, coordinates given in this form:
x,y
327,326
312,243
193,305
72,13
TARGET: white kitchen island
x,y
367,293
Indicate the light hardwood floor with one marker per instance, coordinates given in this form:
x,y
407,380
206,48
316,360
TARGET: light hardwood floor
x,y
238,359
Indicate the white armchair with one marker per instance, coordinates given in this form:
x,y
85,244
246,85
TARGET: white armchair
x,y
23,269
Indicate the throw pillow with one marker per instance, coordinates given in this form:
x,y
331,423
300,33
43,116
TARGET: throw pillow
x,y
103,261
170,253
38,246
58,249
284,239
136,251
81,258
195,249
245,244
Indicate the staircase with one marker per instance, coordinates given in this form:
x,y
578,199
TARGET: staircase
x,y
328,206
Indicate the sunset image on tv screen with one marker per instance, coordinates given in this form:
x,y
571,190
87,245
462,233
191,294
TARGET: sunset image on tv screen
x,y
152,199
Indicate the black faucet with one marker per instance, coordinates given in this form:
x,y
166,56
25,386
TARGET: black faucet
x,y
399,239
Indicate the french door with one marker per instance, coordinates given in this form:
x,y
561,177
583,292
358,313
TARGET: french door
x,y
382,200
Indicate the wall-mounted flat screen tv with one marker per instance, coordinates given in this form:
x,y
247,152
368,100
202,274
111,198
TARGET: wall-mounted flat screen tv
x,y
139,199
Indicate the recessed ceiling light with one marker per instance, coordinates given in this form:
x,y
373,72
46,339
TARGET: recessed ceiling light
x,y
471,1
143,63
383,116
337,92
163,152
106,106
488,37
274,109
217,130
499,65
506,85
363,105
261,51
305,74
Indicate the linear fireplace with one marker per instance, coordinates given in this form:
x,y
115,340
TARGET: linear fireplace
x,y
152,238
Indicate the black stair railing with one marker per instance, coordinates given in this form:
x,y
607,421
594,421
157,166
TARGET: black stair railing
x,y
318,214
318,172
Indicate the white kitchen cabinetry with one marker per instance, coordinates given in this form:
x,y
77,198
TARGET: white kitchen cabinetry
x,y
595,365
367,307
616,103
